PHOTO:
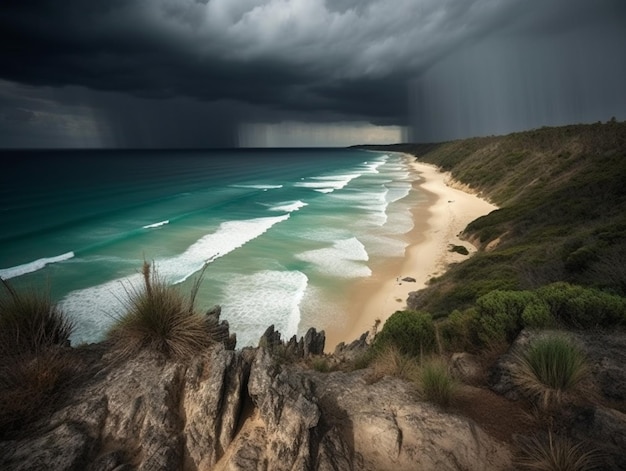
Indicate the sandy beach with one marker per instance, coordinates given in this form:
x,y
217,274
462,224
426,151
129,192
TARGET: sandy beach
x,y
438,221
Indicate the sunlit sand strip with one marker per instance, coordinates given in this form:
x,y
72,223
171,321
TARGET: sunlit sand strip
x,y
438,222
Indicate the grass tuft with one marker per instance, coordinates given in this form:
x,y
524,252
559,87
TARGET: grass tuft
x,y
436,383
30,322
390,361
553,453
31,386
550,367
160,318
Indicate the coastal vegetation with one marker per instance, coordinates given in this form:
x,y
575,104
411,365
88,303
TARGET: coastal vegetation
x,y
549,368
160,318
561,216
549,273
35,366
550,264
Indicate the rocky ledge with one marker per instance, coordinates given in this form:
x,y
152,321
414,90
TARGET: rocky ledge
x,y
245,410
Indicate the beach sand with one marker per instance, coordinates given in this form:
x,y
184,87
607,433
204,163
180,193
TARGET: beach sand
x,y
438,221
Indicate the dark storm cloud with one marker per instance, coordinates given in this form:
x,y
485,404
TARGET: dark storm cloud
x,y
176,63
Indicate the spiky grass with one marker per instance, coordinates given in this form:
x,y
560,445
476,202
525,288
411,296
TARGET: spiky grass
x,y
32,384
553,453
160,318
30,321
436,383
550,367
390,361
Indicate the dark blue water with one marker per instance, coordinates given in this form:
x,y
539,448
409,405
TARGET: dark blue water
x,y
285,230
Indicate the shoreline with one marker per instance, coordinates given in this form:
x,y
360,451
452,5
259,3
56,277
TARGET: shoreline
x,y
438,221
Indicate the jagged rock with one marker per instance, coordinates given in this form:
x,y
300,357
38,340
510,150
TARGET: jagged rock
x,y
212,402
311,344
220,331
408,279
243,410
314,342
287,406
270,338
348,353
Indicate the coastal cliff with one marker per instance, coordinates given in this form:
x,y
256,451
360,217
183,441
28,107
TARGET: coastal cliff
x,y
244,410
548,271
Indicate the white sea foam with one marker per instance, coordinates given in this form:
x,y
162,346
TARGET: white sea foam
x,y
384,246
288,206
94,308
253,302
375,202
344,259
156,224
30,267
257,187
327,184
397,191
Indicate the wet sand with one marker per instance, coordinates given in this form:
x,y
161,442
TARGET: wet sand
x,y
445,211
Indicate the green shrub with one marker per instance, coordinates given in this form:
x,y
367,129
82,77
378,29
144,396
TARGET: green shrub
x,y
30,322
549,367
500,315
537,315
458,330
580,259
436,383
160,318
411,332
583,307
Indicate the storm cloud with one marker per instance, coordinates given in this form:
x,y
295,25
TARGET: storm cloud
x,y
193,72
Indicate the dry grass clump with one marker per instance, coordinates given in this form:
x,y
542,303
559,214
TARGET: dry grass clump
x,y
554,453
34,366
160,318
550,367
436,383
390,361
30,321
32,385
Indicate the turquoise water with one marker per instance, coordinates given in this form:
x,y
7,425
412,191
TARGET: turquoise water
x,y
285,230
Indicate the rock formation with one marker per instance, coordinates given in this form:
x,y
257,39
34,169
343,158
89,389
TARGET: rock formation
x,y
249,409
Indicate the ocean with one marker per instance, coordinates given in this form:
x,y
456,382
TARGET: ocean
x,y
285,231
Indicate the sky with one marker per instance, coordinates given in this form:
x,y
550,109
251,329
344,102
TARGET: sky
x,y
267,73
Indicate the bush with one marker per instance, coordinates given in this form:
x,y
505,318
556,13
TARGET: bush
x,y
160,318
436,383
549,367
554,454
583,307
30,322
537,315
458,330
411,332
500,315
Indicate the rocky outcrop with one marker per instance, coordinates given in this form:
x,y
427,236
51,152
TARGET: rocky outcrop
x,y
587,418
247,410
